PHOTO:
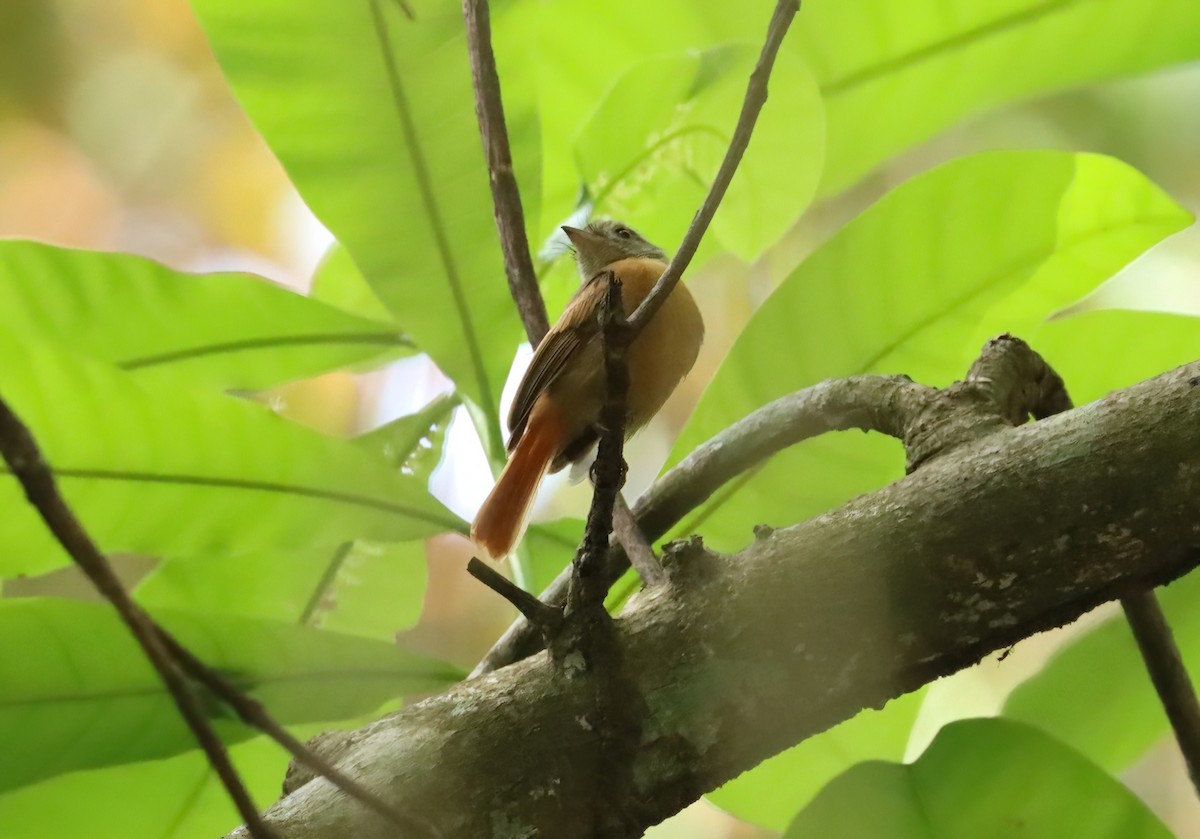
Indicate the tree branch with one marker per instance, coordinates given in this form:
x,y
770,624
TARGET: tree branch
x,y
888,404
1018,382
984,545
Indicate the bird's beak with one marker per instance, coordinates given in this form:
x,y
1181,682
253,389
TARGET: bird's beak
x,y
575,234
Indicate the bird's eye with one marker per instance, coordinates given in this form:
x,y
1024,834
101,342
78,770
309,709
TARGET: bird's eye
x,y
624,232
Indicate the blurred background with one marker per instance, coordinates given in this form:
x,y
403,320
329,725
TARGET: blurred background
x,y
117,132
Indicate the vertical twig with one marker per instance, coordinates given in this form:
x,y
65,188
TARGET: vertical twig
x,y
506,196
588,586
1165,665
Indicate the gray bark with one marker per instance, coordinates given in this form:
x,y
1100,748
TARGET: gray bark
x,y
739,657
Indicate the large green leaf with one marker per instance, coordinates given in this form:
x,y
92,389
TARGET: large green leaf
x,y
771,793
413,443
652,146
77,692
176,798
1061,699
902,289
894,72
983,778
372,115
162,470
224,330
1102,350
338,282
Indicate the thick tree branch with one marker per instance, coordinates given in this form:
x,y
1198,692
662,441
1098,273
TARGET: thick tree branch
x,y
1008,535
888,404
1018,382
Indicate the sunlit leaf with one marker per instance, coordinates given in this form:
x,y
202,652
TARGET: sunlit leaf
x,y
76,691
177,797
984,778
771,793
1104,350
878,62
903,289
652,147
338,282
163,471
222,330
412,443
372,115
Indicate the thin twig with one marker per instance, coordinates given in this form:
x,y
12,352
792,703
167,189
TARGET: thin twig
x,y
24,458
545,618
870,403
756,97
589,584
506,196
1165,665
636,546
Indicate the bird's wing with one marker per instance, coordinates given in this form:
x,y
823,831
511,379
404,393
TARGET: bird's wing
x,y
577,325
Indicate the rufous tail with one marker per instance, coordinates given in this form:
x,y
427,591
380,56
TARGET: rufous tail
x,y
501,521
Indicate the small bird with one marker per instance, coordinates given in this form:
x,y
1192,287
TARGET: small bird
x,y
553,419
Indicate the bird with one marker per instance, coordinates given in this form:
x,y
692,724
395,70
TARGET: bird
x,y
554,419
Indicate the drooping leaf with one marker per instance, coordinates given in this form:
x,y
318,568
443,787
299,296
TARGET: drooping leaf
x,y
372,115
217,330
378,590
76,691
876,79
902,289
338,282
651,148
161,470
412,443
1105,662
771,793
177,797
984,778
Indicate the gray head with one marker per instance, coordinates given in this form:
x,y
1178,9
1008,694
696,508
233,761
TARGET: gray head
x,y
606,241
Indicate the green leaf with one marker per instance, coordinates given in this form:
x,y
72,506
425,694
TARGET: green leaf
x,y
412,443
76,691
372,115
216,330
159,470
876,79
1103,350
269,585
902,289
338,282
983,778
177,798
627,33
652,147
378,590
770,794
1061,699
551,546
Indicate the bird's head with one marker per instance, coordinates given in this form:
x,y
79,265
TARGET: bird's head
x,y
606,241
